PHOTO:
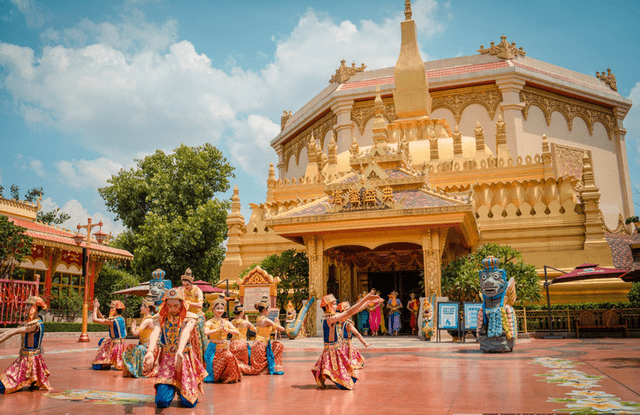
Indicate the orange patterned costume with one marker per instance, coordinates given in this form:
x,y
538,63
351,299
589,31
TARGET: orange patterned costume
x,y
221,363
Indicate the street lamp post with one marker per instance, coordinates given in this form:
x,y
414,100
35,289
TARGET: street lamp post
x,y
79,238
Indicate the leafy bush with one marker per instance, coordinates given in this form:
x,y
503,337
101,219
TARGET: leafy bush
x,y
51,326
70,303
634,294
580,306
113,279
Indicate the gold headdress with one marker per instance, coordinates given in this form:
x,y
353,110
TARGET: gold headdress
x,y
264,302
343,306
37,301
220,300
118,305
187,275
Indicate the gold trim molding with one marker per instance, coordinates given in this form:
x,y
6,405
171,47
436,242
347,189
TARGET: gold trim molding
x,y
570,108
319,130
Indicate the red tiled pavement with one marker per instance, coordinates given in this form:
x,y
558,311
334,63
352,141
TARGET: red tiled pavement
x,y
416,378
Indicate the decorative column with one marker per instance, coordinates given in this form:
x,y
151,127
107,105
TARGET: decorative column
x,y
623,163
317,285
281,166
511,106
590,198
431,255
232,264
546,158
344,125
271,183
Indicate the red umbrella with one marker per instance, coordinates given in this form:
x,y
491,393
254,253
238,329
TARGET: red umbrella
x,y
588,271
207,287
140,290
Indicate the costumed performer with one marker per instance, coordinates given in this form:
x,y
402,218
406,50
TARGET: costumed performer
x,y
133,358
414,308
374,317
179,370
266,354
394,305
363,317
29,369
333,364
221,364
383,326
194,299
349,330
239,345
111,349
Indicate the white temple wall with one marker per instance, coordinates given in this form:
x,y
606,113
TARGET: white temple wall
x,y
470,117
603,153
297,169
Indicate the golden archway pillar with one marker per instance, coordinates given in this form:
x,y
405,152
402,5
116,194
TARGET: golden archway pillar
x,y
433,241
317,280
345,281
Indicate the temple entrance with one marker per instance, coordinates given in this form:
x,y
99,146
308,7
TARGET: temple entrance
x,y
403,282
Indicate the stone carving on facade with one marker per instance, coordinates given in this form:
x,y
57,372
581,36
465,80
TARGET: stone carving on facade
x,y
377,261
609,78
319,129
456,100
283,120
548,102
431,262
344,73
568,160
503,50
363,111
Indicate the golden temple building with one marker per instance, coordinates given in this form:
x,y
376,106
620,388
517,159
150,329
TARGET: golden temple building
x,y
388,174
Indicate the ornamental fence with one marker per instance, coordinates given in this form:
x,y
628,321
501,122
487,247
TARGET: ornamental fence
x,y
13,295
564,320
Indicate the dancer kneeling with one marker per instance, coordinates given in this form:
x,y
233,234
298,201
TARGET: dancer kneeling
x,y
239,345
111,349
348,330
178,368
133,358
264,352
29,369
333,364
221,363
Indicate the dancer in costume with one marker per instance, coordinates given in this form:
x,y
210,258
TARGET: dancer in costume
x,y
178,369
383,325
333,364
29,369
414,308
194,299
111,349
133,358
374,317
239,345
394,305
221,364
266,354
363,317
348,330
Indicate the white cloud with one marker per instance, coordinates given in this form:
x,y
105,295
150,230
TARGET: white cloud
x,y
79,215
32,12
123,88
29,163
87,173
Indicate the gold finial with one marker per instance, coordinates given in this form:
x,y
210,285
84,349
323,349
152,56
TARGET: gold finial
x,y
407,9
503,50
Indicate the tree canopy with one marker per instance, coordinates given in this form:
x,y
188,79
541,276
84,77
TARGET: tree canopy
x,y
460,280
167,204
14,246
292,267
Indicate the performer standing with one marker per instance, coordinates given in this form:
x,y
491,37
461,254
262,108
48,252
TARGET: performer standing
x,y
29,369
363,317
374,317
239,345
222,365
133,358
414,308
333,364
178,368
194,299
111,349
264,352
348,330
394,305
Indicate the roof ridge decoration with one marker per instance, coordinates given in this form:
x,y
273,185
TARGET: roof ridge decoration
x,y
609,79
363,195
344,73
503,50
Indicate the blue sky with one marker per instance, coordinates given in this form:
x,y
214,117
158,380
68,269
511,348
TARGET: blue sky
x,y
87,87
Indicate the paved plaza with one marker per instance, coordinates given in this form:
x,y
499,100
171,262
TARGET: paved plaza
x,y
401,375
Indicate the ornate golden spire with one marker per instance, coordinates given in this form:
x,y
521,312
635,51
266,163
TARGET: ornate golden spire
x,y
503,50
407,9
479,137
379,127
411,96
457,142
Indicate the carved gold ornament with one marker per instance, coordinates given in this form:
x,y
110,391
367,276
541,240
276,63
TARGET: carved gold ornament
x,y
344,73
503,50
608,78
318,128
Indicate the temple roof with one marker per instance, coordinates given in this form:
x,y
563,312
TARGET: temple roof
x,y
621,250
59,238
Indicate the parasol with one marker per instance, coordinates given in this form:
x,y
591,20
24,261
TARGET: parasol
x,y
140,290
207,287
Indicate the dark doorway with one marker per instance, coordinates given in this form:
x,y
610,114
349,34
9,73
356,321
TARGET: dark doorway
x,y
403,282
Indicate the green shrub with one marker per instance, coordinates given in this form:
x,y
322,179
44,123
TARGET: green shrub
x,y
52,326
634,294
580,306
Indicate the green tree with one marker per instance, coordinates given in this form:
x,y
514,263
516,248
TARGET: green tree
x,y
70,303
460,280
292,267
14,246
52,217
168,206
634,294
111,279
